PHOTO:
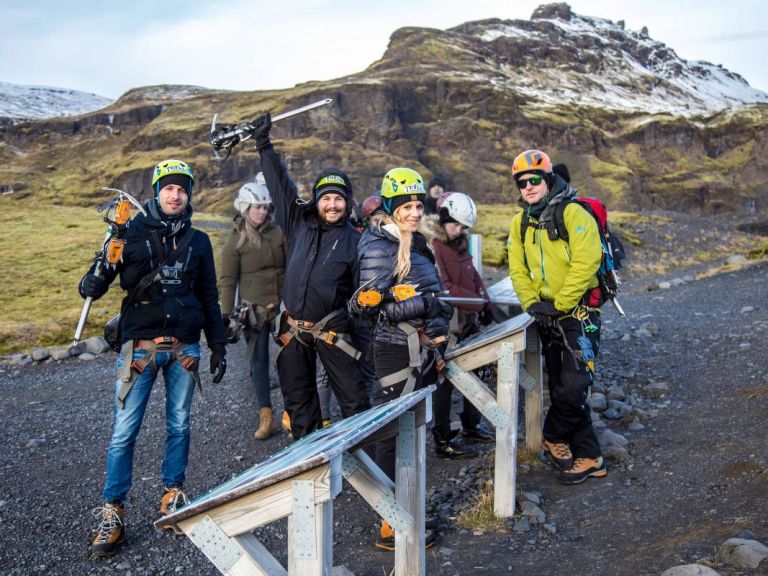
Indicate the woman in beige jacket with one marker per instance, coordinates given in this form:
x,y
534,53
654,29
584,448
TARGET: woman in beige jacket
x,y
253,267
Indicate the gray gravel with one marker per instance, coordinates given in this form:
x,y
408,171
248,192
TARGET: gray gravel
x,y
696,472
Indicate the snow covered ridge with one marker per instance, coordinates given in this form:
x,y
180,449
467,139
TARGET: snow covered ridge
x,y
38,102
624,70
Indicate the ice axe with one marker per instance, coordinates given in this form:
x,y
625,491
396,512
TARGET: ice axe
x,y
117,213
227,136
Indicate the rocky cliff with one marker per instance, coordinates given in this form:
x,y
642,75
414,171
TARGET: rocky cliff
x,y
637,125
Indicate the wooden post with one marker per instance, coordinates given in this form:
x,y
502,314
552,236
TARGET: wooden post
x,y
410,481
310,533
506,438
534,398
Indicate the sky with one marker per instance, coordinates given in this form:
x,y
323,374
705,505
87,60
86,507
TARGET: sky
x,y
108,47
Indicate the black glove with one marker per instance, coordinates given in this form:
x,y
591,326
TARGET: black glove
x,y
486,316
261,127
544,313
218,362
93,286
433,306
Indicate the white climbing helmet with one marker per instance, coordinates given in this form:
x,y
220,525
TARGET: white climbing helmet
x,y
255,192
459,207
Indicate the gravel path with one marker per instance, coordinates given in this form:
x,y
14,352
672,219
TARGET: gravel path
x,y
697,476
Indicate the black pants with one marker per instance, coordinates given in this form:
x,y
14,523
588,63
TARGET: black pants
x,y
568,418
441,402
389,358
297,366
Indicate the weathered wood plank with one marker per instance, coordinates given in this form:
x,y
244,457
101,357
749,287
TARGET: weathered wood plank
x,y
506,438
313,558
488,354
268,504
477,392
373,485
534,398
410,481
265,563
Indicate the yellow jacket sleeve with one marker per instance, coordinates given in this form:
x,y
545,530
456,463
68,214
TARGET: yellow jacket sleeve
x,y
585,252
518,268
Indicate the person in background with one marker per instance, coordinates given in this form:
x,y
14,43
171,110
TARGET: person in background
x,y
397,252
320,278
457,214
552,278
161,324
436,188
253,268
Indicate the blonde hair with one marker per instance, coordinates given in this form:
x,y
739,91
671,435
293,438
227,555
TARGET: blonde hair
x,y
403,265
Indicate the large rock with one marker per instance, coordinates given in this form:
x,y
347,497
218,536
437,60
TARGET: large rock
x,y
690,570
40,354
96,345
745,554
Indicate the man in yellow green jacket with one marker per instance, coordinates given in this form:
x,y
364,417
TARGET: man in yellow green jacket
x,y
554,279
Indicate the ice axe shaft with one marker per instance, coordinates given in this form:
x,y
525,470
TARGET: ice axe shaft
x,y
303,109
87,304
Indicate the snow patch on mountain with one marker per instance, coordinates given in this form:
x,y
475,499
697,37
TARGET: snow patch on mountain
x,y
633,72
37,102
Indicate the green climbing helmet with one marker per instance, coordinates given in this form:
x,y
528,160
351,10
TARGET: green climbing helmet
x,y
172,172
400,186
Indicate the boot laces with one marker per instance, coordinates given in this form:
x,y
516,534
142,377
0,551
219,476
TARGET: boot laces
x,y
176,499
110,521
584,463
561,450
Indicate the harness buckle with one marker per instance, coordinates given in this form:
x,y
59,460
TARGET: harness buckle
x,y
330,337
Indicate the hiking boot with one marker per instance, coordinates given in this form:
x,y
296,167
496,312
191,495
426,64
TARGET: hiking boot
x,y
266,424
478,433
385,537
286,421
558,453
111,532
174,499
582,469
448,447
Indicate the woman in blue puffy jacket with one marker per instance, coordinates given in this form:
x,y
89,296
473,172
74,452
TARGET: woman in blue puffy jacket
x,y
397,253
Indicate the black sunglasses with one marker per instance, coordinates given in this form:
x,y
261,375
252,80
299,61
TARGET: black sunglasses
x,y
534,180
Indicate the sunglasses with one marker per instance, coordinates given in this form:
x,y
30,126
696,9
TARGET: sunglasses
x,y
534,180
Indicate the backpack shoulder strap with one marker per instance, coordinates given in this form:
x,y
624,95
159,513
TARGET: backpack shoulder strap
x,y
559,218
523,227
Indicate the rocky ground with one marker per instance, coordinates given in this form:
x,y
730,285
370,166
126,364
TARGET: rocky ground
x,y
682,399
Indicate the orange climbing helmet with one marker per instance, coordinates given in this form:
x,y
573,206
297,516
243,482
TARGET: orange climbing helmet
x,y
531,160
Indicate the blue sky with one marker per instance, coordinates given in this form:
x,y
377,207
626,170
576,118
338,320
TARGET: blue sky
x,y
108,47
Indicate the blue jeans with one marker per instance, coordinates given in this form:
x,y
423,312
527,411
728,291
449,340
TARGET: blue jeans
x,y
260,365
179,388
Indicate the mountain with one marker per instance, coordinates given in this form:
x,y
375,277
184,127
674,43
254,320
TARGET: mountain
x,y
570,59
37,102
637,125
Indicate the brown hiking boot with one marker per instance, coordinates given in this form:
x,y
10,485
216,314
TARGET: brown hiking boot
x,y
582,469
266,424
173,500
286,421
111,531
559,453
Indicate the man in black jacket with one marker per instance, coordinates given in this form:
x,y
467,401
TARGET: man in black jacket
x,y
320,277
161,327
